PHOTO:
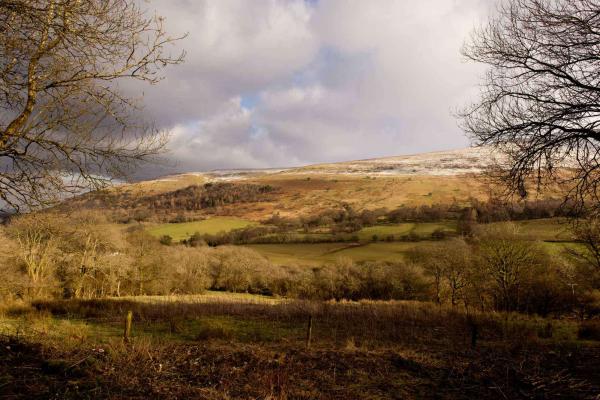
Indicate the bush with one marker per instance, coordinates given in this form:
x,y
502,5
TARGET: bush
x,y
589,330
166,240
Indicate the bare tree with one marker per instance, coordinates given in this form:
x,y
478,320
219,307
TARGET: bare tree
x,y
540,100
36,252
508,261
587,233
65,123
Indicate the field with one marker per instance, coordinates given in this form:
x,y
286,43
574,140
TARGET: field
x,y
184,230
302,194
552,232
546,229
421,229
319,253
223,347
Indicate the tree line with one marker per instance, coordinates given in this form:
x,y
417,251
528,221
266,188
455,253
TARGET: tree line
x,y
47,255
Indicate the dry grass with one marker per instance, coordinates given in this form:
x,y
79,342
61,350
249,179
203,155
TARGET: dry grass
x,y
226,349
304,194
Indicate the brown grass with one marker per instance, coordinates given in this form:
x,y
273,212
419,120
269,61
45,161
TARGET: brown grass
x,y
225,350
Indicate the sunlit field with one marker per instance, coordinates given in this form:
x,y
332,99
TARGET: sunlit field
x,y
211,226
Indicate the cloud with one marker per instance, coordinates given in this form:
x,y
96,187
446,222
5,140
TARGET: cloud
x,y
274,82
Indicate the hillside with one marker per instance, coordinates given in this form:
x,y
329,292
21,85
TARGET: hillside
x,y
440,163
411,180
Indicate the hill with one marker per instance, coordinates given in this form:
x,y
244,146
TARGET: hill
x,y
412,180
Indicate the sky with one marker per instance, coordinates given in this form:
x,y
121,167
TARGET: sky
x,y
275,83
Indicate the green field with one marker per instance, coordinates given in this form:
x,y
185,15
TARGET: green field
x,y
549,229
209,226
421,229
545,230
318,253
553,233
382,231
554,229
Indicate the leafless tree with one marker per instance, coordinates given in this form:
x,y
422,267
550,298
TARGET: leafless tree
x,y
36,252
540,100
65,122
508,261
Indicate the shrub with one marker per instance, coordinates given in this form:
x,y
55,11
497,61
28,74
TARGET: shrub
x,y
589,330
166,240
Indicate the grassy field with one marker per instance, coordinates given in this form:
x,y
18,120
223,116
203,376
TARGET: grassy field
x,y
552,233
309,193
383,231
211,226
319,253
548,229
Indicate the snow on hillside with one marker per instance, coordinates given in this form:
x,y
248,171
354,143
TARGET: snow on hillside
x,y
453,162
444,163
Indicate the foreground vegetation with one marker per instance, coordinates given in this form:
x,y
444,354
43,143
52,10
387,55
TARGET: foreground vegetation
x,y
220,348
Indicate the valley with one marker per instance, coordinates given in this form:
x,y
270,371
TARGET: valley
x,y
393,263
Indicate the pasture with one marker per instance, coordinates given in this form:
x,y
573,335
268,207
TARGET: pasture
x,y
211,226
319,253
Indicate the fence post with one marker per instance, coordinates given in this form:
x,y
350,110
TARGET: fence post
x,y
127,330
474,331
309,332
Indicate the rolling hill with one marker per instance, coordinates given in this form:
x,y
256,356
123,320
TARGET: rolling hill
x,y
411,180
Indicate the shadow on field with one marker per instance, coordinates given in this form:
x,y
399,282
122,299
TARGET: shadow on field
x,y
219,350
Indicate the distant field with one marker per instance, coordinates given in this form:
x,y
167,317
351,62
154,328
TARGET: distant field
x,y
546,229
208,226
422,229
385,230
318,253
311,193
552,232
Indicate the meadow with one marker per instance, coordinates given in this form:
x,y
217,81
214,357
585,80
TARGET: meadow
x,y
372,242
210,226
319,253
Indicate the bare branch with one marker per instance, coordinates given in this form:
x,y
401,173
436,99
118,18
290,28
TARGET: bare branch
x,y
64,124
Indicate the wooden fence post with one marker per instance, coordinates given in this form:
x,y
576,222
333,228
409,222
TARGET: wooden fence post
x,y
474,330
127,330
309,332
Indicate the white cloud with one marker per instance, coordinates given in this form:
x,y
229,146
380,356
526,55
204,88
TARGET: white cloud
x,y
233,47
324,81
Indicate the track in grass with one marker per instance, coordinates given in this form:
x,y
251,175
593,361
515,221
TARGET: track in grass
x,y
319,253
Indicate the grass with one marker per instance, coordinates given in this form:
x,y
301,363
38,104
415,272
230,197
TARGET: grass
x,y
425,229
552,233
382,231
547,229
226,349
318,253
210,226
208,296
